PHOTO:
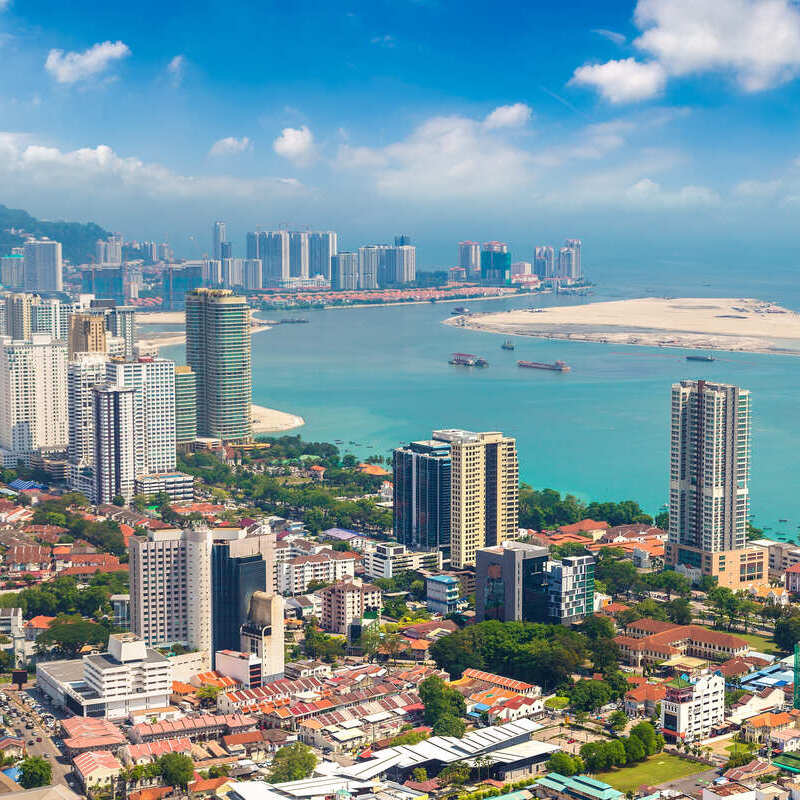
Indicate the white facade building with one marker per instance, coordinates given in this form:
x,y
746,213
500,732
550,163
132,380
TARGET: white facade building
x,y
692,708
322,247
387,560
298,254
33,397
85,372
274,252
114,461
295,574
170,574
43,265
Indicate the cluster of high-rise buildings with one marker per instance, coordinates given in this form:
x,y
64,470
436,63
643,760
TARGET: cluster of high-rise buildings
x,y
490,262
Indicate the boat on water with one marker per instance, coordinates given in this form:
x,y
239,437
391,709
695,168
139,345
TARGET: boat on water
x,y
460,310
556,366
294,321
507,345
468,360
699,358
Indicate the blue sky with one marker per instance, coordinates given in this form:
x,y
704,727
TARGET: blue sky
x,y
650,126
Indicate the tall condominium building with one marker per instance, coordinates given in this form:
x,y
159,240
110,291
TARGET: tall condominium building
x,y
87,333
109,251
401,264
709,499
121,322
232,272
178,281
114,467
566,262
49,315
347,601
421,477
226,250
495,263
273,249
469,257
33,396
251,273
322,247
12,271
43,266
153,380
83,374
185,407
219,235
344,271
298,254
262,635
218,351
240,566
104,281
575,246
170,574
484,494
212,272
371,262
511,583
403,240
544,264
18,315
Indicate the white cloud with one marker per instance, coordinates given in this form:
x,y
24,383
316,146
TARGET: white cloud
x,y
755,189
4,4
387,40
26,162
512,116
230,146
648,192
623,81
73,67
612,36
176,69
296,145
758,41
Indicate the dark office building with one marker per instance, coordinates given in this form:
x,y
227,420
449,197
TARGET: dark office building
x,y
178,282
104,282
495,263
402,241
511,583
422,495
234,578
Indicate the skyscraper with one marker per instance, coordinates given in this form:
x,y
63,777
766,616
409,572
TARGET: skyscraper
x,y
469,257
83,373
709,499
121,322
43,266
225,250
263,634
12,271
566,262
421,477
322,247
18,315
298,254
218,351
484,494
273,250
344,271
185,407
153,380
33,396
240,566
170,574
109,251
114,467
401,265
544,262
495,263
370,262
178,281
403,240
219,236
87,333
251,273
575,246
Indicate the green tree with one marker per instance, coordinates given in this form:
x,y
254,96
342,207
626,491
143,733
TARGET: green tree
x,y
292,763
440,700
177,769
208,695
564,764
419,774
370,641
787,632
35,771
618,720
679,611
605,654
449,725
590,695
597,627
634,750
70,635
647,734
455,774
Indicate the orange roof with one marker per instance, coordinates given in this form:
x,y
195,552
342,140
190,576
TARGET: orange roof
x,y
585,525
648,691
317,468
179,687
770,720
42,622
373,469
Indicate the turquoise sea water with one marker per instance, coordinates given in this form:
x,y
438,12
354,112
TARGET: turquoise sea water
x,y
379,377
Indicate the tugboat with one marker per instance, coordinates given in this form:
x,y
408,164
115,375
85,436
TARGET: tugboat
x,y
459,310
507,345
700,358
556,366
468,360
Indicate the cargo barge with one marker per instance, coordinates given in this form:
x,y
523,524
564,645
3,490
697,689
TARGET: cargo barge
x,y
556,366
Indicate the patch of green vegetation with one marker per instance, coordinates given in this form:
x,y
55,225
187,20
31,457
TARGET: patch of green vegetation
x,y
760,643
656,770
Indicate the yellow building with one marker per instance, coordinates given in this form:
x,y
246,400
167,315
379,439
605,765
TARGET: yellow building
x,y
484,496
87,334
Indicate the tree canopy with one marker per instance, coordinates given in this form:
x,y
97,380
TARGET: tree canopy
x,y
292,763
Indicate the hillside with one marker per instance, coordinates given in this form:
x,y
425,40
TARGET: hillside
x,y
77,238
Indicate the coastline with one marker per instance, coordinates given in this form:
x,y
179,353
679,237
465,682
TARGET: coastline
x,y
712,324
168,338
269,420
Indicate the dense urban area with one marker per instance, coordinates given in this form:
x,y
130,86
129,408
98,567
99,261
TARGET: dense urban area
x,y
192,608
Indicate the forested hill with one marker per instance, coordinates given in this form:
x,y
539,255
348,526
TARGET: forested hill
x,y
77,239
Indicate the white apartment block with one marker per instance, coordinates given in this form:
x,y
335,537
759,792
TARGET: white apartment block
x,y
85,372
345,602
388,560
127,678
780,555
298,254
154,410
33,396
43,265
295,574
484,495
170,575
113,465
322,247
692,708
275,256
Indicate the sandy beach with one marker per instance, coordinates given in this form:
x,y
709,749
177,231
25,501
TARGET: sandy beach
x,y
268,420
167,338
735,324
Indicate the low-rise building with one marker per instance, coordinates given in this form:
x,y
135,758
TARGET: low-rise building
x,y
326,566
643,700
442,593
96,770
178,485
728,791
390,559
761,727
780,555
793,578
692,708
578,787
